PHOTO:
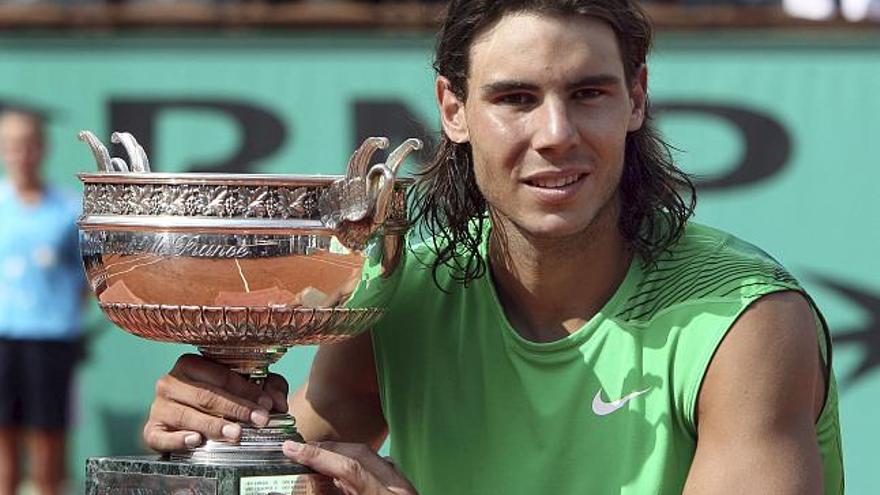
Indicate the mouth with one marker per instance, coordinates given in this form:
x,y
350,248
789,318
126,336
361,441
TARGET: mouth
x,y
556,182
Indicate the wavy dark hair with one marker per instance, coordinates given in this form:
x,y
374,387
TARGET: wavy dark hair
x,y
656,197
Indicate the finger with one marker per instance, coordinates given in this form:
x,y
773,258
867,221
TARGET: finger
x,y
158,438
200,369
173,416
385,472
353,476
277,388
211,400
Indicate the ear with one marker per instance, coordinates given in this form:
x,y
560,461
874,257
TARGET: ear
x,y
638,95
452,115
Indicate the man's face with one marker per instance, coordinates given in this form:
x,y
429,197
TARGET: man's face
x,y
21,146
547,115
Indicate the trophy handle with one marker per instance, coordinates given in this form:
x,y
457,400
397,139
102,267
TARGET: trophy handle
x,y
139,163
99,151
136,154
380,185
401,152
381,179
357,164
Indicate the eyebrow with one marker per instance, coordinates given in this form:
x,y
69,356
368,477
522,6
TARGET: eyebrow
x,y
505,86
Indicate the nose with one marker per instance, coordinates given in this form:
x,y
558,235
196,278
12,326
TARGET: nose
x,y
555,130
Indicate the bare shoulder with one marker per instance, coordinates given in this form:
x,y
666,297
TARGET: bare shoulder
x,y
769,363
781,322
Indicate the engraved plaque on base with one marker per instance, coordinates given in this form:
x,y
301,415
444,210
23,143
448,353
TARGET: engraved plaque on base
x,y
151,475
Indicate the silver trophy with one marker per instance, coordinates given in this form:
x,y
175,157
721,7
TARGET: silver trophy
x,y
243,266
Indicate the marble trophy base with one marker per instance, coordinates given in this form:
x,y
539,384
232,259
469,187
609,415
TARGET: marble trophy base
x,y
154,475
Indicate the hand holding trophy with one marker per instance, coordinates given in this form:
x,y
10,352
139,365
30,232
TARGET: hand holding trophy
x,y
243,267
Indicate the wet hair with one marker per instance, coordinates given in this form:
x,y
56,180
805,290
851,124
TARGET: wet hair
x,y
656,197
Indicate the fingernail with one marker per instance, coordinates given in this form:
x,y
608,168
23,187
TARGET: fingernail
x,y
231,431
265,401
260,417
192,440
292,447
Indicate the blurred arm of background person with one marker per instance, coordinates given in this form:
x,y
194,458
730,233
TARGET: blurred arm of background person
x,y
41,298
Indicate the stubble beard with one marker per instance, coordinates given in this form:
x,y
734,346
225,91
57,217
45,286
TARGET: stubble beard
x,y
511,241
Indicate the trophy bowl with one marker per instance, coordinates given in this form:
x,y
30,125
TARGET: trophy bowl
x,y
243,266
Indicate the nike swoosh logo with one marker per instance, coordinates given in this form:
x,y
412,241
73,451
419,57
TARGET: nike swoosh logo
x,y
602,408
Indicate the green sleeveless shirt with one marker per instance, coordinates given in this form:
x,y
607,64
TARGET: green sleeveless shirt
x,y
473,408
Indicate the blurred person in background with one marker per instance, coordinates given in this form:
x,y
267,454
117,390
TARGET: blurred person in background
x,y
41,293
823,10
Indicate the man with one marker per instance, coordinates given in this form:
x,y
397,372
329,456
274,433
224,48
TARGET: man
x,y
41,292
565,330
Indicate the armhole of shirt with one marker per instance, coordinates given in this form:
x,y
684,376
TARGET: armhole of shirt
x,y
827,423
693,392
379,365
826,351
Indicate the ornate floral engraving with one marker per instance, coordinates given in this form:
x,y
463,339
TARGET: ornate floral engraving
x,y
346,200
195,200
269,202
217,326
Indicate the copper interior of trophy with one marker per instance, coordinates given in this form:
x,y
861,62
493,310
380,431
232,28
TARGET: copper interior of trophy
x,y
315,281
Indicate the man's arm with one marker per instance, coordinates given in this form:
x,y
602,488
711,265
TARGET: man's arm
x,y
340,400
758,405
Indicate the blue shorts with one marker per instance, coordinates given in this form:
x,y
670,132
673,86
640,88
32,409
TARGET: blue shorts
x,y
35,379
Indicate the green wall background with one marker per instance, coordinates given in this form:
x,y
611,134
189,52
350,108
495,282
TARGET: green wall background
x,y
818,215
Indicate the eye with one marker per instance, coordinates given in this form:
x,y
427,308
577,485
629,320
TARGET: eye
x,y
516,99
588,94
